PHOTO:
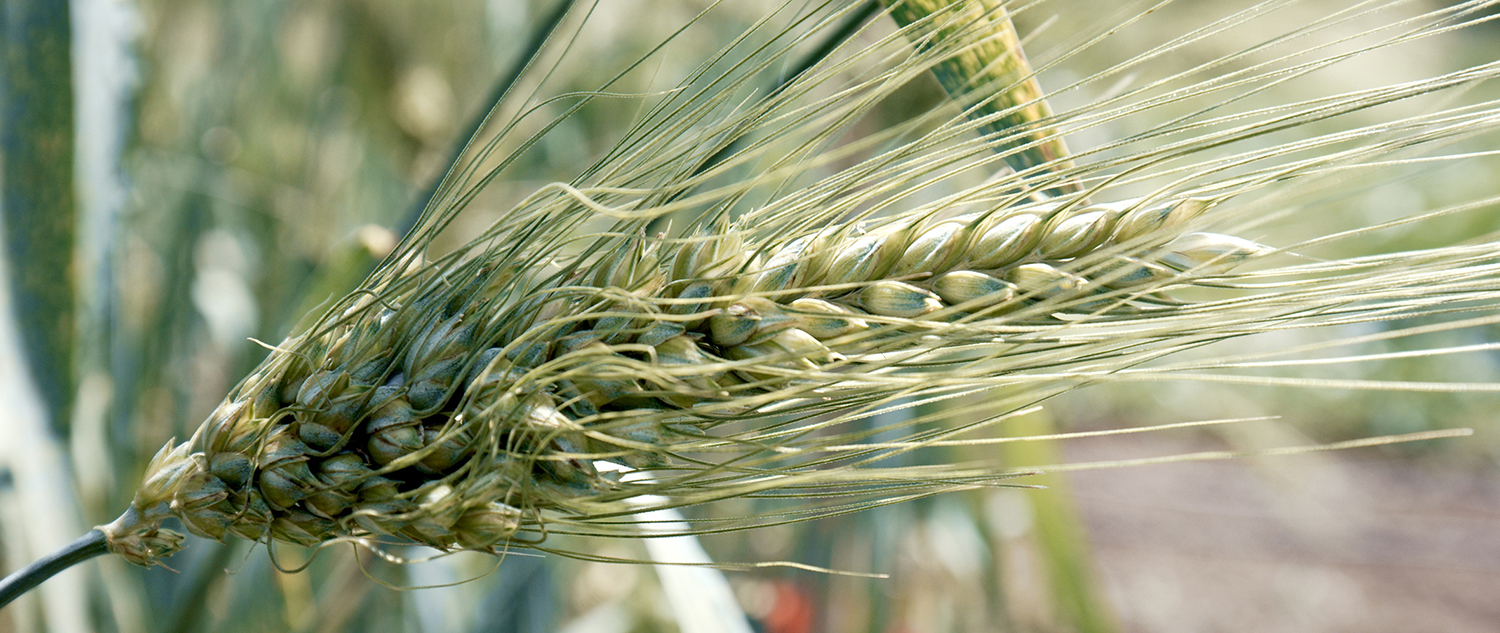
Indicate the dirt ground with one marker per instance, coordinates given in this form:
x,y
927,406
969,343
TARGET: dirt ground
x,y
1355,541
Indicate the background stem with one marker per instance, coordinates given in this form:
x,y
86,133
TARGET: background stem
x,y
993,81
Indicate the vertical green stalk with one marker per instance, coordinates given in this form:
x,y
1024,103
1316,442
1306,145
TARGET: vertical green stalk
x,y
1059,530
997,62
994,63
36,189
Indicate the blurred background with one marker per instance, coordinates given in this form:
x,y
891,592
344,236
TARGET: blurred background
x,y
236,164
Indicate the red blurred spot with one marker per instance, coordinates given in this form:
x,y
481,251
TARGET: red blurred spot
x,y
792,611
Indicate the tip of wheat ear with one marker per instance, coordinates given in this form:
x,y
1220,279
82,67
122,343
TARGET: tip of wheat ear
x,y
435,416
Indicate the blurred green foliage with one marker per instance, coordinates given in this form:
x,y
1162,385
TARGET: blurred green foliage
x,y
36,191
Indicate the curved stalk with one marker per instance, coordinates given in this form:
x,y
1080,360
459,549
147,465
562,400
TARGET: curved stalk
x,y
86,547
1015,110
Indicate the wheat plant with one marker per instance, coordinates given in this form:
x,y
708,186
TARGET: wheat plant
x,y
763,288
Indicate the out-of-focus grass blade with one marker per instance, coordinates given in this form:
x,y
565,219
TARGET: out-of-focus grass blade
x,y
38,212
36,176
997,64
1059,530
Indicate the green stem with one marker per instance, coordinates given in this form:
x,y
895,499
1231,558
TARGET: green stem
x,y
1009,99
86,547
1061,539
